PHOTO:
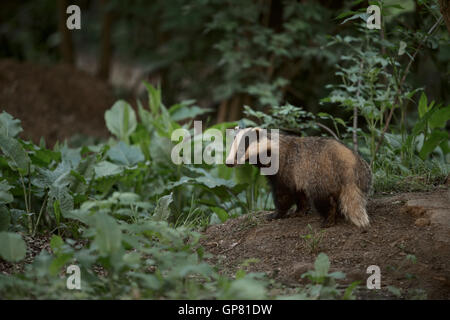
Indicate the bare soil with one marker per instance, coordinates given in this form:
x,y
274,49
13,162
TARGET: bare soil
x,y
402,225
54,102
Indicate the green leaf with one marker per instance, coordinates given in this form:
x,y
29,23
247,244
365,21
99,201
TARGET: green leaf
x,y
60,200
106,169
433,140
43,157
154,98
362,16
108,236
322,265
121,120
440,117
395,291
12,248
80,176
162,210
60,177
5,195
423,105
221,213
56,242
401,48
57,211
348,294
59,262
183,112
5,218
125,155
246,289
13,150
345,14
9,126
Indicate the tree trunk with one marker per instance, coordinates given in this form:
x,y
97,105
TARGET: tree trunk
x,y
445,10
104,61
231,109
66,44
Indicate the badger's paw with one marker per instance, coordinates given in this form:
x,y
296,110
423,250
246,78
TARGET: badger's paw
x,y
275,215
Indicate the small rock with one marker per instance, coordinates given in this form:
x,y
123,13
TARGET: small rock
x,y
422,222
415,211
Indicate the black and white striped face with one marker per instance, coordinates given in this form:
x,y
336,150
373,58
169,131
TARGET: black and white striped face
x,y
254,146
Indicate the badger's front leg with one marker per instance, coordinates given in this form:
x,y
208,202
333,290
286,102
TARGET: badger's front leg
x,y
283,202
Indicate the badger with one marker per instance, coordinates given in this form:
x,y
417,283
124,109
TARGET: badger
x,y
311,170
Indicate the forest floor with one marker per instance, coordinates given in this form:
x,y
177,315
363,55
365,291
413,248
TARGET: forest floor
x,y
55,102
402,226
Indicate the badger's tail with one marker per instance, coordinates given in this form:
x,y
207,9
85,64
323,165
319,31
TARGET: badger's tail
x,y
352,204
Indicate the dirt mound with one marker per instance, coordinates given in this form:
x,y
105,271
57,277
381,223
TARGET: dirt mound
x,y
394,238
55,102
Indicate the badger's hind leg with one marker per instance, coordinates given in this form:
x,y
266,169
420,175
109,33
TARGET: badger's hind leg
x,y
302,203
352,204
283,200
327,207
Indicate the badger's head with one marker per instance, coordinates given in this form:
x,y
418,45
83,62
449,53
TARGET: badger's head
x,y
255,146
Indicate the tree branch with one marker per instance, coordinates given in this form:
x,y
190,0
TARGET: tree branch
x,y
397,95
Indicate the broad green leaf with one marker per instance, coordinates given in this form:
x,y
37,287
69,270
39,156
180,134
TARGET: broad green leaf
x,y
162,210
58,262
60,177
106,169
83,173
43,157
433,140
12,149
322,265
5,195
214,219
121,120
148,280
221,213
59,201
56,242
125,155
440,117
12,248
246,289
9,126
108,236
126,198
70,155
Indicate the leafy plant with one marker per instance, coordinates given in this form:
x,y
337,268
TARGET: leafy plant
x,y
323,284
313,239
